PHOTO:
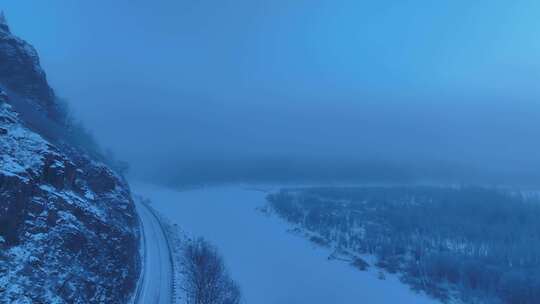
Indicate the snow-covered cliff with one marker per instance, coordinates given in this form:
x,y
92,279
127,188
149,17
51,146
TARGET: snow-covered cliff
x,y
68,228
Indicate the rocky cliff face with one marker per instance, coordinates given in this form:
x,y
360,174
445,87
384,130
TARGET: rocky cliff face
x,y
68,227
20,70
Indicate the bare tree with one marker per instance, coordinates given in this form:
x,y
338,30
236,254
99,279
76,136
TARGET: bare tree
x,y
205,278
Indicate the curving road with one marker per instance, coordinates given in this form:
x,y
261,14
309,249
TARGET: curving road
x,y
155,286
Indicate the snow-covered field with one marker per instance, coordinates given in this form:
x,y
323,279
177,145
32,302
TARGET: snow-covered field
x,y
271,265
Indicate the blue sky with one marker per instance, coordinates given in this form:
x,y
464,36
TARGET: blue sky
x,y
406,80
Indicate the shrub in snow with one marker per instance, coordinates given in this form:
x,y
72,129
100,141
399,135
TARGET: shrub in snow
x,y
205,278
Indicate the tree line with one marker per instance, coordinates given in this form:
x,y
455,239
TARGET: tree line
x,y
467,242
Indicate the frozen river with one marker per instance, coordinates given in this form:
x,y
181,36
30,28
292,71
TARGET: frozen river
x,y
271,265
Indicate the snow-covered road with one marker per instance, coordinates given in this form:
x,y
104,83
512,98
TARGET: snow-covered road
x,y
156,281
271,265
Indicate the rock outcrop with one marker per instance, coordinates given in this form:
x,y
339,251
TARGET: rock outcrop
x,y
68,228
20,70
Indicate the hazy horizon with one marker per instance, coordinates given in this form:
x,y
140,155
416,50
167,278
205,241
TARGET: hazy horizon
x,y
205,91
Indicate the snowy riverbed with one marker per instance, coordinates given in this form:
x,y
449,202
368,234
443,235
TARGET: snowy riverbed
x,y
271,265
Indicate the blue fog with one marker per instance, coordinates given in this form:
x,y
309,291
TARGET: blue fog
x,y
210,91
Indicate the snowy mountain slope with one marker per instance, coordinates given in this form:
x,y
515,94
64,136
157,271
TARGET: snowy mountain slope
x,y
68,228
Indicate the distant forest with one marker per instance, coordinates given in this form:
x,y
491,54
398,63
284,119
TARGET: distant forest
x,y
478,245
